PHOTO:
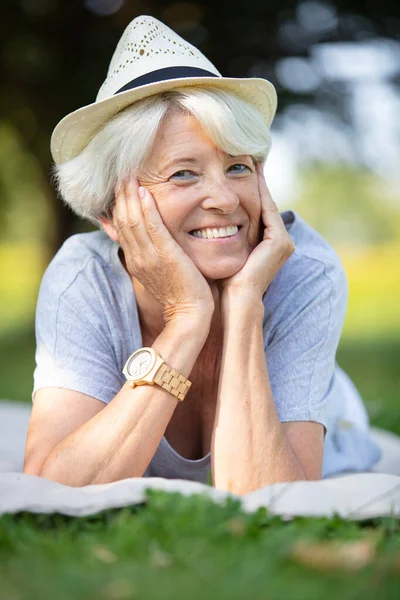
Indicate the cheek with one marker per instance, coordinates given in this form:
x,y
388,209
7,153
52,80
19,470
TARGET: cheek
x,y
174,208
252,205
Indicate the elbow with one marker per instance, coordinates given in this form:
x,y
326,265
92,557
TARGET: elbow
x,y
32,466
36,469
46,470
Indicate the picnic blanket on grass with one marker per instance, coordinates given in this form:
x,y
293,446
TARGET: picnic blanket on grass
x,y
355,496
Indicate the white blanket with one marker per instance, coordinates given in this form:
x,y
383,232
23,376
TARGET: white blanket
x,y
353,496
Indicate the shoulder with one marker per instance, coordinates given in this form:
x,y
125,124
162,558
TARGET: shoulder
x,y
81,291
82,320
311,249
313,258
312,276
83,257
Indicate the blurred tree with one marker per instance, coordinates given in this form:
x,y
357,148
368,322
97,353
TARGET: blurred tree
x,y
54,54
24,214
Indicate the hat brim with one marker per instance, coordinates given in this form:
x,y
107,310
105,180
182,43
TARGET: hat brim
x,y
75,131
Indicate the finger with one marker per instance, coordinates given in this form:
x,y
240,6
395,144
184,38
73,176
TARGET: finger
x,y
119,210
133,226
154,224
136,220
270,213
120,219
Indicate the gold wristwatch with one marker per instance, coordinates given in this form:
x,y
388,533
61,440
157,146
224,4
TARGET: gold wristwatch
x,y
147,367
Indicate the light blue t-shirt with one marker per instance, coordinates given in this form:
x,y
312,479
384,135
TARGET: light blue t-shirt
x,y
87,326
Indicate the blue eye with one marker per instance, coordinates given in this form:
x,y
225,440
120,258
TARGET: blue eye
x,y
183,174
242,168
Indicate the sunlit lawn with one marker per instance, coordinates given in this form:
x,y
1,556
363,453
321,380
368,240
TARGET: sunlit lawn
x,y
190,548
373,274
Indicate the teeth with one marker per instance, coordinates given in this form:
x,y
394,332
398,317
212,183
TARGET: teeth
x,y
215,233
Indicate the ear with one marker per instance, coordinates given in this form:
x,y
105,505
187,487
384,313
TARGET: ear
x,y
109,228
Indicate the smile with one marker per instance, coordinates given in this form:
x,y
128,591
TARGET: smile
x,y
221,232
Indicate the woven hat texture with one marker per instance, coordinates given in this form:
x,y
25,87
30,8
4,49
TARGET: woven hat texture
x,y
151,58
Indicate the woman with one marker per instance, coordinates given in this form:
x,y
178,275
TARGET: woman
x,y
196,331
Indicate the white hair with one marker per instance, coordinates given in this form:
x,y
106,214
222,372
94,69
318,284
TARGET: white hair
x,y
119,149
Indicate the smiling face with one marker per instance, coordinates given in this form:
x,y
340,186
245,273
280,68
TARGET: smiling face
x,y
200,191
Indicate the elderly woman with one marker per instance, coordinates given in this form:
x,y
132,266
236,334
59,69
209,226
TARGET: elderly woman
x,y
196,330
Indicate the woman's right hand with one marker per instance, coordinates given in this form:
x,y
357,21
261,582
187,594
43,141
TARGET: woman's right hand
x,y
155,259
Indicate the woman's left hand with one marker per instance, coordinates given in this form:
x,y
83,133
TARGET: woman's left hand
x,y
268,256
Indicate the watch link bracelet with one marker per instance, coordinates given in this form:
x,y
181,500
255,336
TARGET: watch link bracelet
x,y
147,367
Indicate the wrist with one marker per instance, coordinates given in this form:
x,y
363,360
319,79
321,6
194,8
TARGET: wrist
x,y
180,344
235,302
189,325
192,315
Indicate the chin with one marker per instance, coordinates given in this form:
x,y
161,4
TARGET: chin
x,y
222,270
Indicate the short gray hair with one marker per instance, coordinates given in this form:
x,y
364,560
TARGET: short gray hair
x,y
119,149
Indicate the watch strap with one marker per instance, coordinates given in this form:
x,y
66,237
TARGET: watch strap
x,y
172,381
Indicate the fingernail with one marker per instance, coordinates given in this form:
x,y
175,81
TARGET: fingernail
x,y
142,192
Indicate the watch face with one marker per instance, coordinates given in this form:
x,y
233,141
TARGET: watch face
x,y
140,364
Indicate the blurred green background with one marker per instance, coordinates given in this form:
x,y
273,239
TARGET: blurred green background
x,y
335,152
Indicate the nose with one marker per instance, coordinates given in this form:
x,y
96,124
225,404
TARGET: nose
x,y
221,196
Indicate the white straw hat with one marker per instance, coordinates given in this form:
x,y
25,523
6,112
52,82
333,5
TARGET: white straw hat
x,y
151,58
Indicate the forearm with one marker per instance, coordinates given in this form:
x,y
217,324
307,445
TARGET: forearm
x,y
120,441
249,446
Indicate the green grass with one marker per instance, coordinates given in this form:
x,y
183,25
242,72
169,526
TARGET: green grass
x,y
374,366
17,363
175,547
187,548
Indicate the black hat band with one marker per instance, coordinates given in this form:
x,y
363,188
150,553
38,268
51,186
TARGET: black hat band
x,y
164,75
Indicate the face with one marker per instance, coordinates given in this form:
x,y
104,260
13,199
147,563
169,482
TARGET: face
x,y
201,192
